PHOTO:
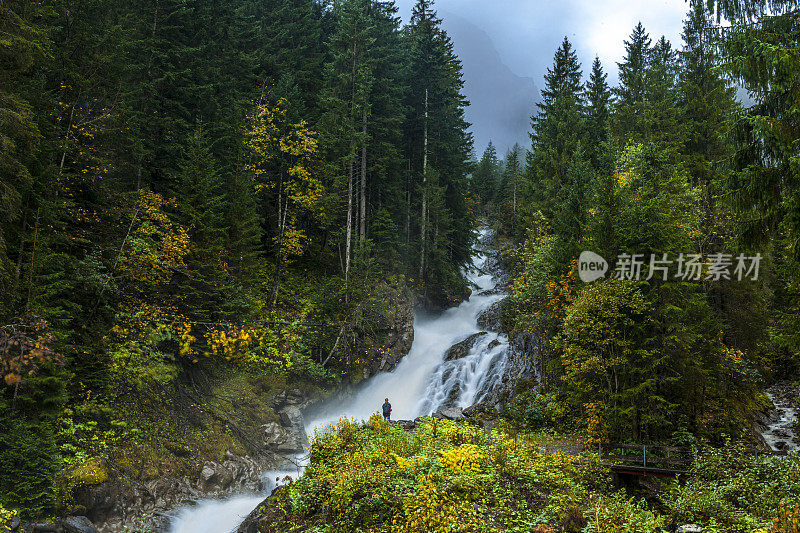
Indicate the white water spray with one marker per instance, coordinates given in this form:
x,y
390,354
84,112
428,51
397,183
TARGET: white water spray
x,y
225,515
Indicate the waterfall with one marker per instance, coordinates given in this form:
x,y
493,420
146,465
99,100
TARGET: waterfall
x,y
421,384
224,515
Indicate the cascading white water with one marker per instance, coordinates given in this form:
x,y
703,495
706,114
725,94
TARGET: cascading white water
x,y
424,382
421,384
781,433
224,515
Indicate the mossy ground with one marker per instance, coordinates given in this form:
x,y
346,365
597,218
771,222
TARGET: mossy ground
x,y
171,431
448,476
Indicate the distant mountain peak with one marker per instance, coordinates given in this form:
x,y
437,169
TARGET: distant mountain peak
x,y
501,102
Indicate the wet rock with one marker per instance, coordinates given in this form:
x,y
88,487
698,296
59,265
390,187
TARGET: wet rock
x,y
450,413
406,424
42,527
689,528
493,344
489,319
482,409
288,397
461,349
78,524
207,473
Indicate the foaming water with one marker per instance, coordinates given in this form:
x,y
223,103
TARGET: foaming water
x,y
423,381
218,516
224,515
781,434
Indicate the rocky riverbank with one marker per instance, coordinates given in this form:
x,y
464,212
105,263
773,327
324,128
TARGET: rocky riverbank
x,y
217,433
779,426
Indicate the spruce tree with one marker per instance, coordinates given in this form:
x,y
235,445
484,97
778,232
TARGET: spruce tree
x,y
509,192
632,89
201,210
663,119
556,130
598,101
438,149
485,177
23,43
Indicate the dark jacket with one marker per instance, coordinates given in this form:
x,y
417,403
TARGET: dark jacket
x,y
387,409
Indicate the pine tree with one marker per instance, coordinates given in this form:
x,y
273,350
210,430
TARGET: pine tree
x,y
201,210
23,43
663,119
632,89
386,168
556,130
346,97
438,149
598,101
510,190
243,240
485,177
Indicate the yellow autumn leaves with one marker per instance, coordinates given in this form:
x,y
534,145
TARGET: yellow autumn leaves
x,y
286,164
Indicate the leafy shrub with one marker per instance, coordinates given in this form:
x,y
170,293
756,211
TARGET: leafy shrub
x,y
619,514
739,491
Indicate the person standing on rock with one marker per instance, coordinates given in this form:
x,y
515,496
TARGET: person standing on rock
x,y
387,409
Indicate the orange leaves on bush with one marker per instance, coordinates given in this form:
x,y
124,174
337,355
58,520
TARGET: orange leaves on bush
x,y
24,347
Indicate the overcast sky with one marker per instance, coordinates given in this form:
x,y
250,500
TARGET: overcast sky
x,y
527,32
506,47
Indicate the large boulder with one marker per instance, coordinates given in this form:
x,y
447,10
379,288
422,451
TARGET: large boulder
x,y
461,349
489,318
285,439
78,524
449,413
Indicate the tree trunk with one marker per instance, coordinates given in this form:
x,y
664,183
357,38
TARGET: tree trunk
x,y
362,225
33,262
282,208
349,231
424,191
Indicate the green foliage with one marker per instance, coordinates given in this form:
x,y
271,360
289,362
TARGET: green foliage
x,y
736,491
444,476
486,176
28,448
618,513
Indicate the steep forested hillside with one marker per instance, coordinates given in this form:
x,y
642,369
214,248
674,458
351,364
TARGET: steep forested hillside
x,y
690,196
213,212
195,186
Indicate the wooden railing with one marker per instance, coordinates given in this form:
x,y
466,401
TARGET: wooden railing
x,y
649,456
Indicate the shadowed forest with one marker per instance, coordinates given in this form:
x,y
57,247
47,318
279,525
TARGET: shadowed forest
x,y
207,204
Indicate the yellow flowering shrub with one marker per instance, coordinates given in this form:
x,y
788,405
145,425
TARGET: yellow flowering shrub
x,y
432,509
6,515
464,458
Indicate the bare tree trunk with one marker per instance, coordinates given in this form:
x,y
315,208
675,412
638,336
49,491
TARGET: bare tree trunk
x,y
424,192
408,203
349,231
362,226
281,224
515,196
350,170
33,261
